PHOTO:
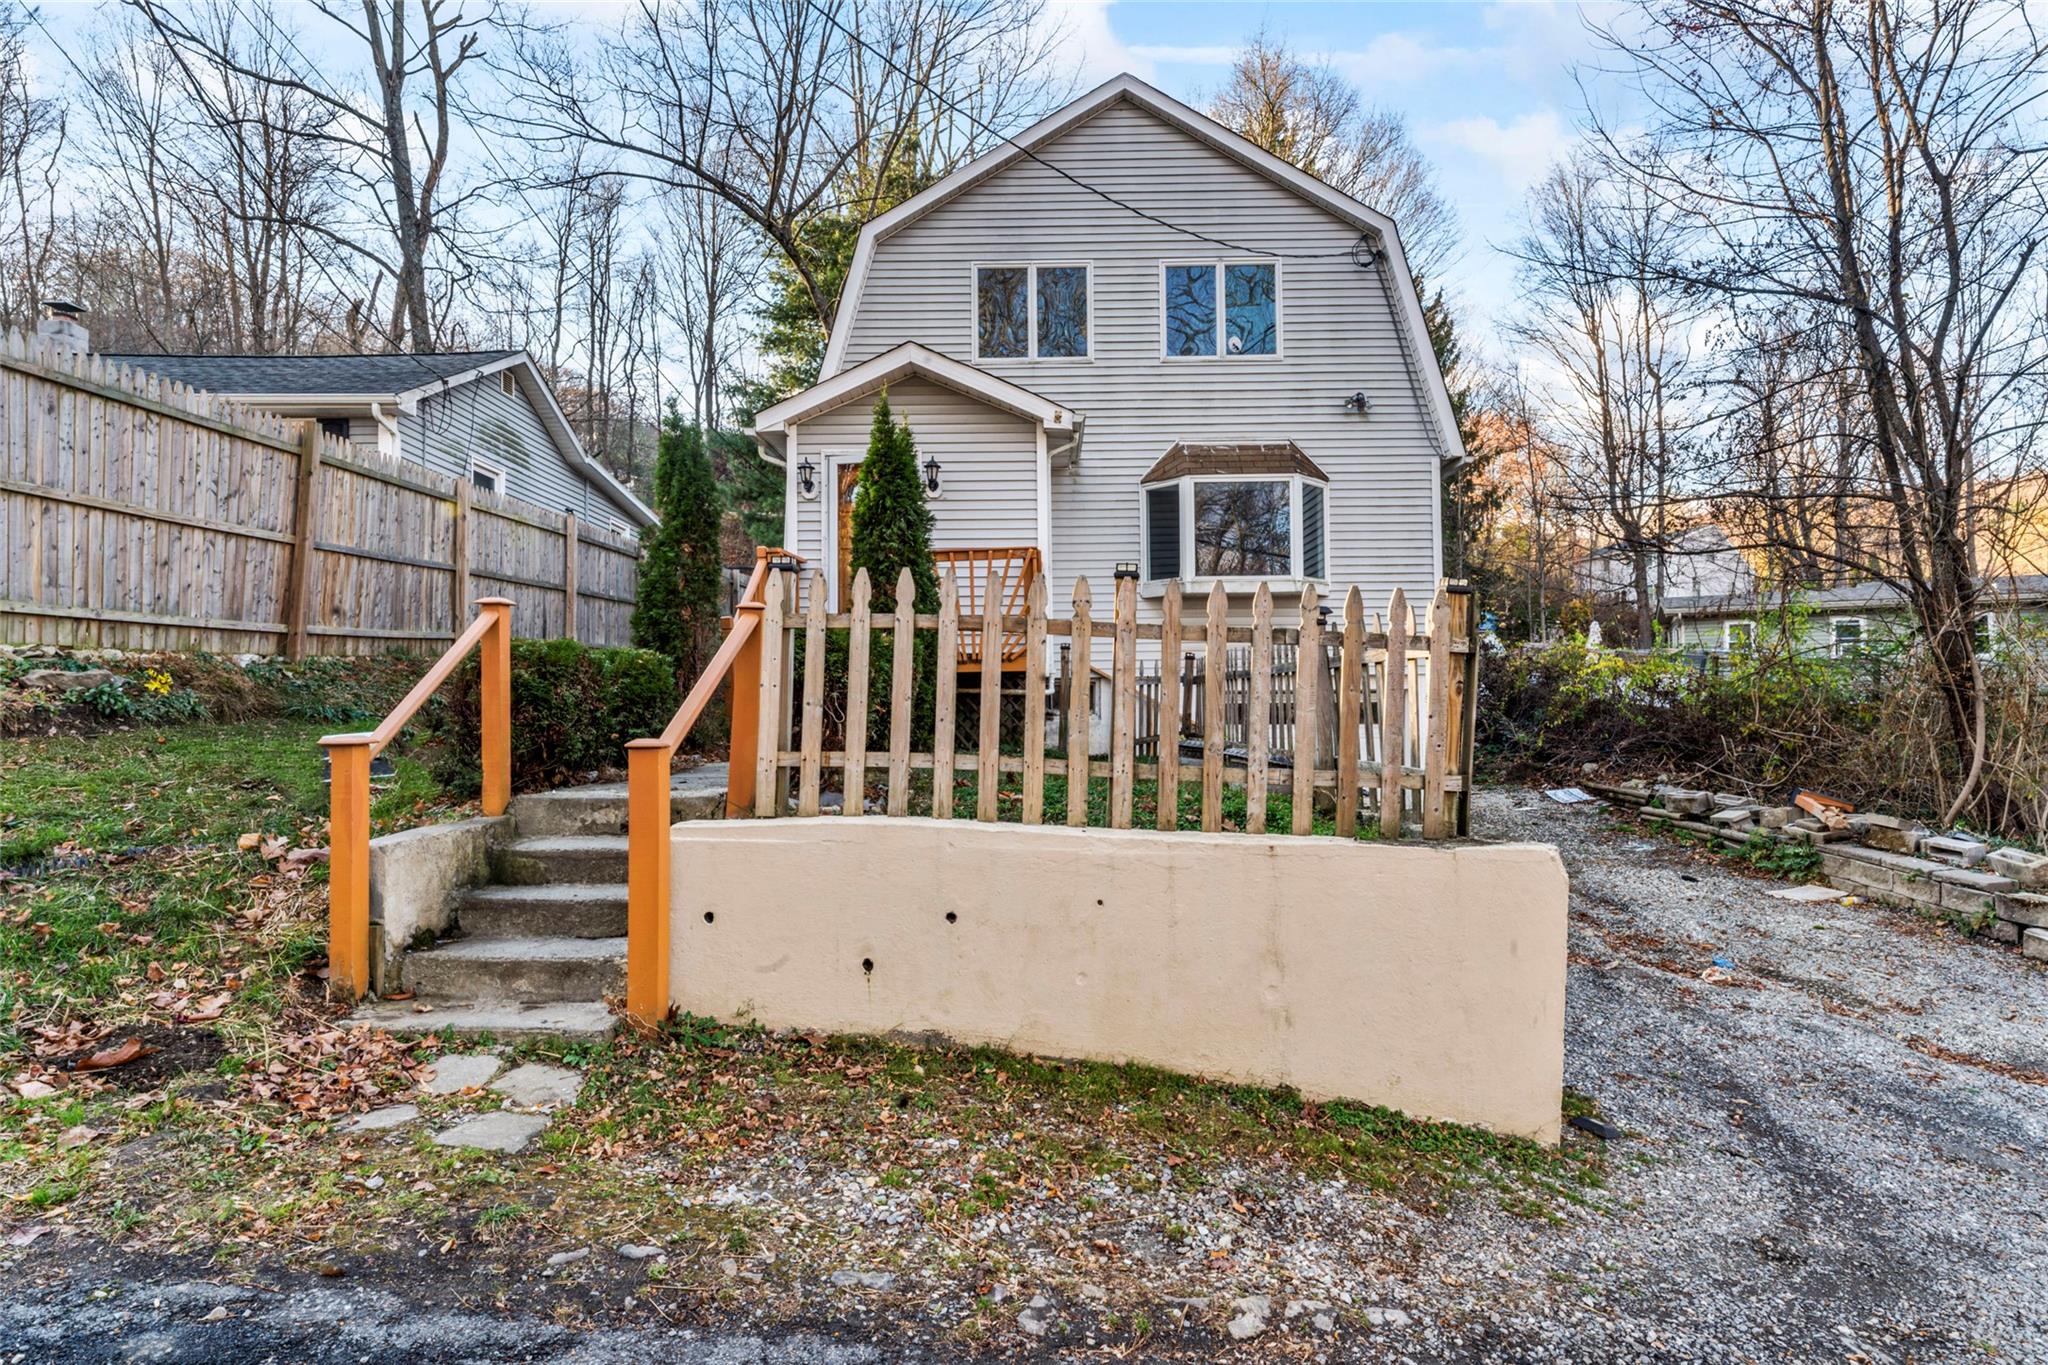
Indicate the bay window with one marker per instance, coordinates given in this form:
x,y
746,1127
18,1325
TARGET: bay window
x,y
1241,511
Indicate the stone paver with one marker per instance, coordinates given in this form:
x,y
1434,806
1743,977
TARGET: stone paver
x,y
377,1120
503,1131
534,1084
461,1072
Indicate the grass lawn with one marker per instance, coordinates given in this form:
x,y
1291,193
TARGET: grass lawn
x,y
129,906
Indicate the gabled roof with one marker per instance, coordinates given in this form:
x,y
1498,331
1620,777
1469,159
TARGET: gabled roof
x,y
381,376
299,385
1184,458
2022,590
771,425
1130,90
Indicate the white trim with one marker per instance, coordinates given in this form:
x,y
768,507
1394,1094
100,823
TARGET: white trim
x,y
1217,263
1728,629
1030,269
1044,474
1129,88
771,424
494,470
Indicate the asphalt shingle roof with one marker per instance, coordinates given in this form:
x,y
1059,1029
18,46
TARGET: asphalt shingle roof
x,y
281,374
2024,589
1232,457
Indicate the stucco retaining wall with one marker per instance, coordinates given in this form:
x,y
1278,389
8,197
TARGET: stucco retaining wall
x,y
1426,978
416,876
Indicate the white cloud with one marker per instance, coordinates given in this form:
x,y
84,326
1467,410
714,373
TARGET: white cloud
x,y
1520,151
1213,55
1089,45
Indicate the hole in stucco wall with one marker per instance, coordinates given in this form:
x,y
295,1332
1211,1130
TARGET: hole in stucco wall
x,y
708,917
952,917
867,964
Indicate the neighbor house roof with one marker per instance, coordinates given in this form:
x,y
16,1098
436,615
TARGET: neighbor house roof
x,y
305,385
384,376
771,424
1232,457
1129,89
2027,589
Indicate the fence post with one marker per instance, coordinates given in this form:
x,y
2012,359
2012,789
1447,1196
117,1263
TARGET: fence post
x,y
1394,715
496,704
1463,709
458,559
298,583
647,879
348,865
1436,757
745,713
569,576
767,771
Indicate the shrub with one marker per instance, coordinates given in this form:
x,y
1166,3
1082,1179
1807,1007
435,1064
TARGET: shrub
x,y
574,706
892,531
677,610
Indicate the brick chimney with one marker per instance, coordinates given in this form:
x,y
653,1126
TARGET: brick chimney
x,y
61,328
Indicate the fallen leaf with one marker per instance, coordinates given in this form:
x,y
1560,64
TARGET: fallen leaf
x,y
272,849
248,841
35,1090
75,1137
206,1010
120,1054
218,1314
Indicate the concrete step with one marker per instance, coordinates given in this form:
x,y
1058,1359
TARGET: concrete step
x,y
588,858
576,1020
697,794
527,970
554,910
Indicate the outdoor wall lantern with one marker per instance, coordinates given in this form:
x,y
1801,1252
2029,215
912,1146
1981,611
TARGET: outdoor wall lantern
x,y
1126,569
807,477
1358,403
931,475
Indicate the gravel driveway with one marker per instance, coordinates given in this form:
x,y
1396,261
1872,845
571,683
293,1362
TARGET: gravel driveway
x,y
1836,1150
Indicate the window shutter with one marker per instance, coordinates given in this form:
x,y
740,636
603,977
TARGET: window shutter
x,y
1162,532
1312,530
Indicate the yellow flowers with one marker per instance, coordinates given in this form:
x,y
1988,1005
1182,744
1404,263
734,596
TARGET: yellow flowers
x,y
156,682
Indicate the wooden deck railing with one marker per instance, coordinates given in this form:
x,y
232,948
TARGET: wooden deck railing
x,y
348,793
648,810
1009,571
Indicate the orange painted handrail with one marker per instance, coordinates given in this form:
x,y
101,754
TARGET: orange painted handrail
x,y
648,810
348,792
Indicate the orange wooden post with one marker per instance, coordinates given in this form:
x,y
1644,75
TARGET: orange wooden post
x,y
647,879
496,652
348,865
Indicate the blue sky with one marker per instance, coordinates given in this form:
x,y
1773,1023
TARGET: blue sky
x,y
1487,90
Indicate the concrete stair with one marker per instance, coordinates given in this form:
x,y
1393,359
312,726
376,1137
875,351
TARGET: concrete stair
x,y
536,952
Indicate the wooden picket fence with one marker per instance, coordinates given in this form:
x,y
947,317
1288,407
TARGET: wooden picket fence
x,y
137,513
1392,737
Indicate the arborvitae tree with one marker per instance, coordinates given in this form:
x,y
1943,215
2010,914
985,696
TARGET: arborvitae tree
x,y
677,608
892,530
892,526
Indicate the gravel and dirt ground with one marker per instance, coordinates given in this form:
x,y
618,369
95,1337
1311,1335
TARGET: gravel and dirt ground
x,y
1836,1149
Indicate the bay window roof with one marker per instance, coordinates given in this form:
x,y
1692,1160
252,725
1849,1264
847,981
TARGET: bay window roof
x,y
1226,458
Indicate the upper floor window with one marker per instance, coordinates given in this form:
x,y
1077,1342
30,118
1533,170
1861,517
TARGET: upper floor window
x,y
1221,308
1027,311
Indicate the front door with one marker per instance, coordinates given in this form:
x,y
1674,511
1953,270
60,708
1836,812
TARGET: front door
x,y
849,481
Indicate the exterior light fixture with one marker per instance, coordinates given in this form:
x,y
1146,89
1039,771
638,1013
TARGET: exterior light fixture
x,y
931,475
1126,569
784,563
1358,403
807,477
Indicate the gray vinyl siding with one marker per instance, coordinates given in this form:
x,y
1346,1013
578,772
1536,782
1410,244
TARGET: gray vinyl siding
x,y
1337,336
987,458
502,429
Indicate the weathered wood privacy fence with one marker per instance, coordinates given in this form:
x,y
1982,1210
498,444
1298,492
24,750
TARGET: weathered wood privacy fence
x,y
1399,691
136,513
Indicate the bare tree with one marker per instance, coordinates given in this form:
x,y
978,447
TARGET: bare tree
x,y
391,136
1306,113
32,131
1878,171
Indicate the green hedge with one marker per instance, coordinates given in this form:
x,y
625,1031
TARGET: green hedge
x,y
573,709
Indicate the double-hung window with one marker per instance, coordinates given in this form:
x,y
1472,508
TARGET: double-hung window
x,y
1031,312
1220,308
1845,636
1738,637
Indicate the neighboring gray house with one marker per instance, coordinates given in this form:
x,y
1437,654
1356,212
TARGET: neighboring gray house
x,y
1130,337
1697,562
485,416
1842,621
